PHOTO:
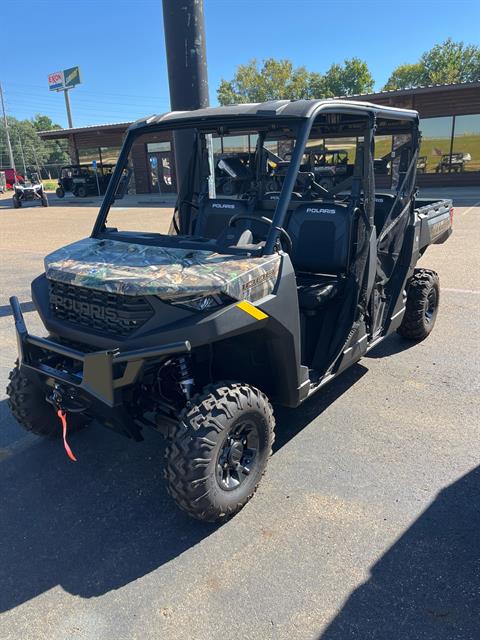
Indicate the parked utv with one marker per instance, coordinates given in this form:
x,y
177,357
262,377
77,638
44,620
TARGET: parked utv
x,y
67,174
81,180
249,301
29,191
454,163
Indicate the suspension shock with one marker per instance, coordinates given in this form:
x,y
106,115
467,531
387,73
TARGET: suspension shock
x,y
186,380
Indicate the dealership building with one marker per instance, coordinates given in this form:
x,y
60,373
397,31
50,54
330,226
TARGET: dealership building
x,y
449,155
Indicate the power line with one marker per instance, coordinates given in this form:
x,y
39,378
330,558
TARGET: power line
x,y
5,122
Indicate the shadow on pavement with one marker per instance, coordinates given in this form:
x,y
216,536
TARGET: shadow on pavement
x,y
107,520
390,346
89,527
427,585
291,422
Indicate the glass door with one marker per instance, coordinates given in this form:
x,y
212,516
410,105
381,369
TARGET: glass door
x,y
162,172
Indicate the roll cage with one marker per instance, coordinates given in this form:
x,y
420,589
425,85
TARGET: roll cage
x,y
300,116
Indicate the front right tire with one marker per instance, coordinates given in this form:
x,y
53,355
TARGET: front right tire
x,y
219,450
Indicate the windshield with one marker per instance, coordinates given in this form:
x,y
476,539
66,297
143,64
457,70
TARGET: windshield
x,y
235,176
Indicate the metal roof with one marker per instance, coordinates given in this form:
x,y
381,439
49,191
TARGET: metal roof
x,y
52,134
429,88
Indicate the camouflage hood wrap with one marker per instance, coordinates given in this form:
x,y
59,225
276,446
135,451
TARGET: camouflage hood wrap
x,y
169,273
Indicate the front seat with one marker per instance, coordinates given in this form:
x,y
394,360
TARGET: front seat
x,y
320,234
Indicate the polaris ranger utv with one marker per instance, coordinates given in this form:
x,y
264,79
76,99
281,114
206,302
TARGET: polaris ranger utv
x,y
260,298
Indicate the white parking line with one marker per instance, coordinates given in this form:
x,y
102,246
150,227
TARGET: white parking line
x,y
471,208
473,291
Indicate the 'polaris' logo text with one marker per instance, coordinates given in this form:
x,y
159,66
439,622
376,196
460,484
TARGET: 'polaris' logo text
x,y
94,311
217,205
314,210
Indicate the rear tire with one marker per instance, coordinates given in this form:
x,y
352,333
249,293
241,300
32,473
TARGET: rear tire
x,y
60,192
32,412
16,202
81,191
219,450
423,298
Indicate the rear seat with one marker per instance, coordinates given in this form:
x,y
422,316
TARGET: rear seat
x,y
383,206
320,235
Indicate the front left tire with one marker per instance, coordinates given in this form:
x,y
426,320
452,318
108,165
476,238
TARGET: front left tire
x,y
31,410
219,450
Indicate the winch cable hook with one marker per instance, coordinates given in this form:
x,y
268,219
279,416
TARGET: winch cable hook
x,y
63,418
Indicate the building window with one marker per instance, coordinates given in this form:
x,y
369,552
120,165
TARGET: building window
x,y
87,155
434,156
235,144
109,155
383,156
466,144
152,147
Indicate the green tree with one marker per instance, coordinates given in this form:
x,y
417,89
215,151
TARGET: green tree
x,y
406,76
445,63
350,78
57,149
27,145
279,79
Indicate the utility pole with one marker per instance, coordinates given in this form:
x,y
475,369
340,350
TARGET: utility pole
x,y
23,156
5,122
184,26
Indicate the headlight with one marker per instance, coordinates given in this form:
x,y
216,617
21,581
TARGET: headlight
x,y
201,303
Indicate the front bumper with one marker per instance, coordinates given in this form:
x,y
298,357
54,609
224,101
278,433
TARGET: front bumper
x,y
96,377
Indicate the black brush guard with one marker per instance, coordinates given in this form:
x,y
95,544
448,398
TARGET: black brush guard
x,y
97,383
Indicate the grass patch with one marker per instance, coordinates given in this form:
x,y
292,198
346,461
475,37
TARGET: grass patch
x,y
50,185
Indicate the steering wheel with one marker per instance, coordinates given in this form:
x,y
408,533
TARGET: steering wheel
x,y
248,216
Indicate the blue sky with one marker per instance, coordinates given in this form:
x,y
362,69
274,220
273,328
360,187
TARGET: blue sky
x,y
119,46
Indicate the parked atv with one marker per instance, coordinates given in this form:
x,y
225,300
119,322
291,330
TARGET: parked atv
x,y
250,301
453,163
29,191
67,174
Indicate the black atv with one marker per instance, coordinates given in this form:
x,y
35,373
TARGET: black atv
x,y
256,299
453,163
29,191
90,183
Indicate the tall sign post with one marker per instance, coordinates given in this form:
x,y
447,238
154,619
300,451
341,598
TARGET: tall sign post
x,y
64,81
184,26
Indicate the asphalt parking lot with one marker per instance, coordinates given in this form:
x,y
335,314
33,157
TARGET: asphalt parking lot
x,y
366,525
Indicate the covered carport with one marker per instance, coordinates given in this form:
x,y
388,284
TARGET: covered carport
x,y
152,156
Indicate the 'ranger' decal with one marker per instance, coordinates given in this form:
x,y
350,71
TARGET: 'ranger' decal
x,y
439,227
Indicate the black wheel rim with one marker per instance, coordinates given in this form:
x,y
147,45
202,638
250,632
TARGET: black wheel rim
x,y
430,305
238,456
